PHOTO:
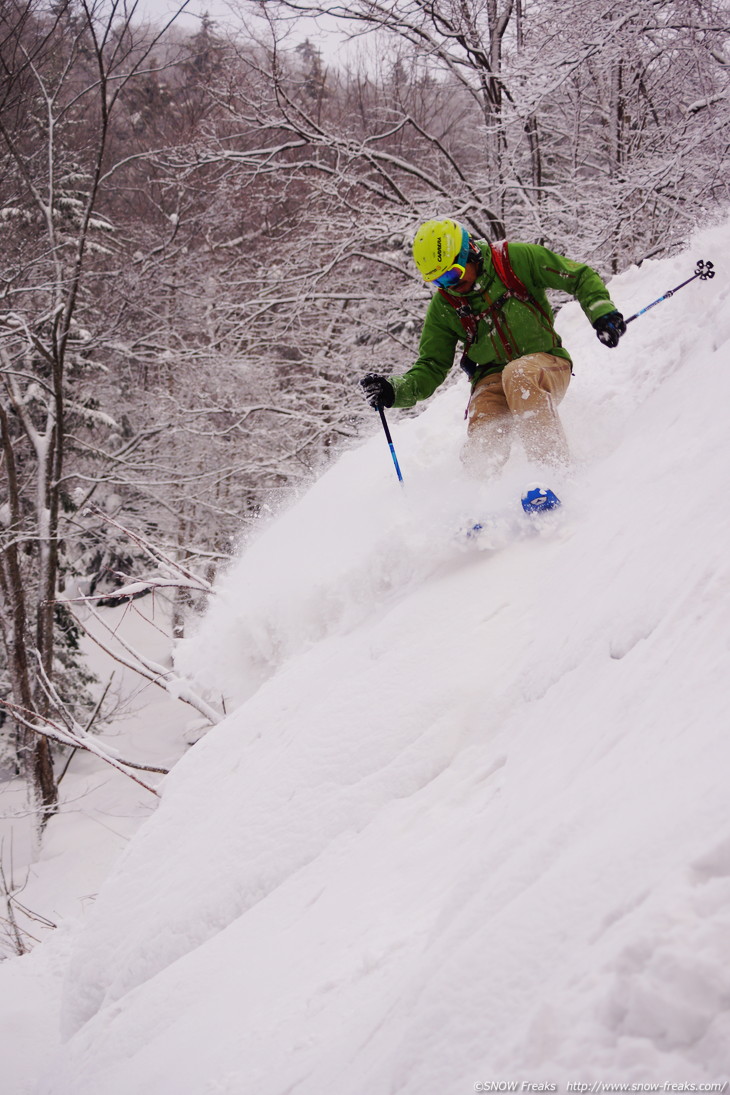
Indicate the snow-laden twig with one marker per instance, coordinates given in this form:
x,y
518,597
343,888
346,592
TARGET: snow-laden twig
x,y
78,738
138,588
87,728
16,935
707,101
144,666
159,557
14,931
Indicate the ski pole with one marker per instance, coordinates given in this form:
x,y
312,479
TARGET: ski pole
x,y
389,439
703,271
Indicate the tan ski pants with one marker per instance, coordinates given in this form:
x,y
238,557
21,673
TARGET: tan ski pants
x,y
524,395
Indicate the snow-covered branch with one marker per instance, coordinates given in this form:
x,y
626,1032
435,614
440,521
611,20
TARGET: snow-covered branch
x,y
146,667
77,738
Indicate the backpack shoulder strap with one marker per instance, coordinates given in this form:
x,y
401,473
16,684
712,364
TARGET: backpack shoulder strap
x,y
470,322
505,273
467,316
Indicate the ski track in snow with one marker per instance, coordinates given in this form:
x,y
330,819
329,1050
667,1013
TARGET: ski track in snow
x,y
468,821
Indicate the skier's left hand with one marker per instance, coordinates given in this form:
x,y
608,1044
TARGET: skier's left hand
x,y
609,328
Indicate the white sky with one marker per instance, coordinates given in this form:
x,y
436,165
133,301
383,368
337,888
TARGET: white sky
x,y
228,12
159,10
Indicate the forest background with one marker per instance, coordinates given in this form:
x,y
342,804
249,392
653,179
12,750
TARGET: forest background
x,y
206,241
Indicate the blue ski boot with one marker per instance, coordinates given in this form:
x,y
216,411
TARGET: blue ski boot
x,y
538,499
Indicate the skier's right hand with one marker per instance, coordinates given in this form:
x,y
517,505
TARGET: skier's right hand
x,y
378,390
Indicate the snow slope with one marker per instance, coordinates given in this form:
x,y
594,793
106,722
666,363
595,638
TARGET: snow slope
x,y
99,810
469,820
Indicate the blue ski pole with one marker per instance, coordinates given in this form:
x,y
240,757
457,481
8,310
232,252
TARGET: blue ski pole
x,y
703,271
389,439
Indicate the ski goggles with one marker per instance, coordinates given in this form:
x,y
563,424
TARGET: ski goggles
x,y
456,272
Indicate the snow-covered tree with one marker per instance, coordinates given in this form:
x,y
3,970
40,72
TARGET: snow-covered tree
x,y
65,70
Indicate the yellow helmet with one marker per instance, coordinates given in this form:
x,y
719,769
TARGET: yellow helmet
x,y
439,246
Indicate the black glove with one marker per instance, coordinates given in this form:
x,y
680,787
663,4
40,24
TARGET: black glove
x,y
609,328
377,390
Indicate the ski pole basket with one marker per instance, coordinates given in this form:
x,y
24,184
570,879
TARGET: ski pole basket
x,y
703,270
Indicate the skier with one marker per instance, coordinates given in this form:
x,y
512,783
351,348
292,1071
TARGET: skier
x,y
493,299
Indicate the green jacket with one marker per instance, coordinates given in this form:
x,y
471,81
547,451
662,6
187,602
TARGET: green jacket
x,y
524,327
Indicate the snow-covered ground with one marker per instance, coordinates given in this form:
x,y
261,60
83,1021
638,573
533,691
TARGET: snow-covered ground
x,y
468,822
100,810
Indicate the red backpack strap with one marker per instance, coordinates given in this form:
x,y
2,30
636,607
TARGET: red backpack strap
x,y
470,322
505,273
467,317
515,287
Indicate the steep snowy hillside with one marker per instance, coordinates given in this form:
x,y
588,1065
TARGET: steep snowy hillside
x,y
468,822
